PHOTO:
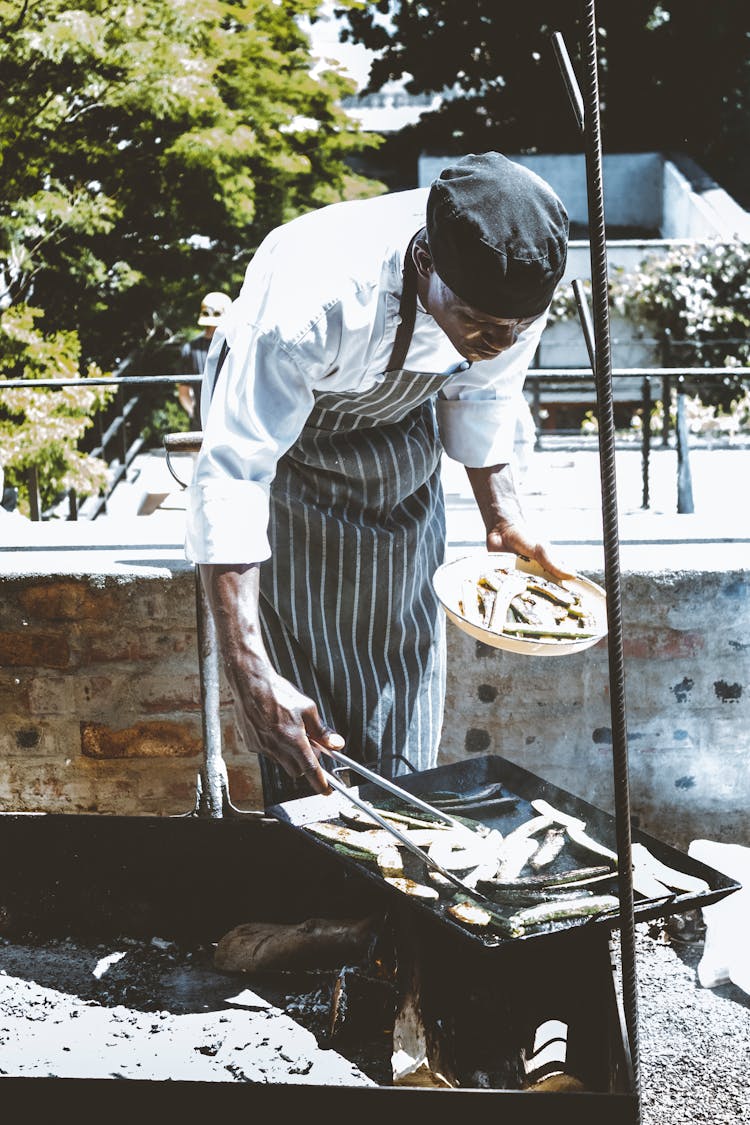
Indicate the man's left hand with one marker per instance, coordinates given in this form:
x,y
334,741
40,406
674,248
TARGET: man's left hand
x,y
495,493
514,537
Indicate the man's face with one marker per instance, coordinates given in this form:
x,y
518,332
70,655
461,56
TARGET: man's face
x,y
474,334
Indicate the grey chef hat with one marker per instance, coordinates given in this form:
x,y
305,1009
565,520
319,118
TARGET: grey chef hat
x,y
498,235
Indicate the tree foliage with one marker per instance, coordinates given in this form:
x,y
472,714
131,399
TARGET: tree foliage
x,y
39,427
146,146
673,75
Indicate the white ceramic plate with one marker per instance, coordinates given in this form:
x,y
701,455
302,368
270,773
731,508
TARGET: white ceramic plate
x,y
449,578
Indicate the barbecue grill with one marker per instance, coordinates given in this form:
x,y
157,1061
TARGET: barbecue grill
x,y
463,777
191,879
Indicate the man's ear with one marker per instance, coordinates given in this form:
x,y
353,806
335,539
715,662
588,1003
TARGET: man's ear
x,y
422,258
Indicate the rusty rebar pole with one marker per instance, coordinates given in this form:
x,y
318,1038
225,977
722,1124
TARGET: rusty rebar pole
x,y
605,412
597,336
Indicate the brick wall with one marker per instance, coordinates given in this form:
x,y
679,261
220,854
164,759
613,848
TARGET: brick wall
x,y
100,697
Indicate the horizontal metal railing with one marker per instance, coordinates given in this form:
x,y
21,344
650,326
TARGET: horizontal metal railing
x,y
118,443
668,378
119,447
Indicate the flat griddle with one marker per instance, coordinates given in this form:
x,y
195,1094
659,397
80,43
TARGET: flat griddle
x,y
463,777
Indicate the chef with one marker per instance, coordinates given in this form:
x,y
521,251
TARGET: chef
x,y
367,337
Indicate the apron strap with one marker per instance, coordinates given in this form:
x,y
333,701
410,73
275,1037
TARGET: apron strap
x,y
219,364
407,311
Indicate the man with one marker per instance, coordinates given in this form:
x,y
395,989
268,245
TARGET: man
x,y
367,336
193,353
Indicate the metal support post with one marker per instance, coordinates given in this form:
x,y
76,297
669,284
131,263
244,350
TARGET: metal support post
x,y
212,798
212,781
666,388
536,414
684,477
599,349
35,503
646,442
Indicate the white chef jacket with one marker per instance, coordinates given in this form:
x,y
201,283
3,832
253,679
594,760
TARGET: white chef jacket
x,y
318,311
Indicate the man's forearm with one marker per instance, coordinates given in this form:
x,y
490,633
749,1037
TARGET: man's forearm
x,y
232,592
276,719
495,493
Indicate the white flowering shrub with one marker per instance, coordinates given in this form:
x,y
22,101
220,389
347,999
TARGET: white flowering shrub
x,y
696,300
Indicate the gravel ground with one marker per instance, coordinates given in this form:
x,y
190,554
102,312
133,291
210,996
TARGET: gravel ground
x,y
694,1042
163,1012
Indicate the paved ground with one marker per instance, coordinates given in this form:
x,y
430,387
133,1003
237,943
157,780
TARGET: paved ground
x,y
561,493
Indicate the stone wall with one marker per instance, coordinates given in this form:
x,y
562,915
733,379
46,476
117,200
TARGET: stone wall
x,y
100,699
687,668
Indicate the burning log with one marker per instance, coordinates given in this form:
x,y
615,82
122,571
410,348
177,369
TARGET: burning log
x,y
362,1005
422,1053
317,943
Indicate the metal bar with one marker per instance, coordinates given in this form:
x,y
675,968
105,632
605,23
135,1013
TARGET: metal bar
x,y
536,415
112,381
584,315
35,503
126,409
605,412
646,443
538,372
584,373
666,388
210,802
569,77
666,403
72,505
684,477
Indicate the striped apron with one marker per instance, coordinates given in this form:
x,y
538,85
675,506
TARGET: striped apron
x,y
357,529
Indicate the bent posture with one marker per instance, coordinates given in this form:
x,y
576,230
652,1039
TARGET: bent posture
x,y
367,337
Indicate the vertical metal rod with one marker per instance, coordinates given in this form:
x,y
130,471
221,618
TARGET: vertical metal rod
x,y
35,503
536,414
123,432
605,410
684,476
646,442
666,401
584,314
666,387
213,772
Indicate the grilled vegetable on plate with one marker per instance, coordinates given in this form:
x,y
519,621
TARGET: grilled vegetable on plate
x,y
511,603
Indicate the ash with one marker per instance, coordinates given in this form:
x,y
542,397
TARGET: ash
x,y
161,1011
155,1011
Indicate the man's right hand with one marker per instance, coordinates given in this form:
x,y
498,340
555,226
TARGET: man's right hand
x,y
276,719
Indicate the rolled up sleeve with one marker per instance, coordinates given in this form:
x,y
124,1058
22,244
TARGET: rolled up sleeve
x,y
259,405
477,408
226,522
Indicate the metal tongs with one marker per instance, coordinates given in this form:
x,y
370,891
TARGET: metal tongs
x,y
409,799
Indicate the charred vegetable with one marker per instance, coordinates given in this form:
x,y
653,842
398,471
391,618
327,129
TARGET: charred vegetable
x,y
411,887
505,600
561,911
